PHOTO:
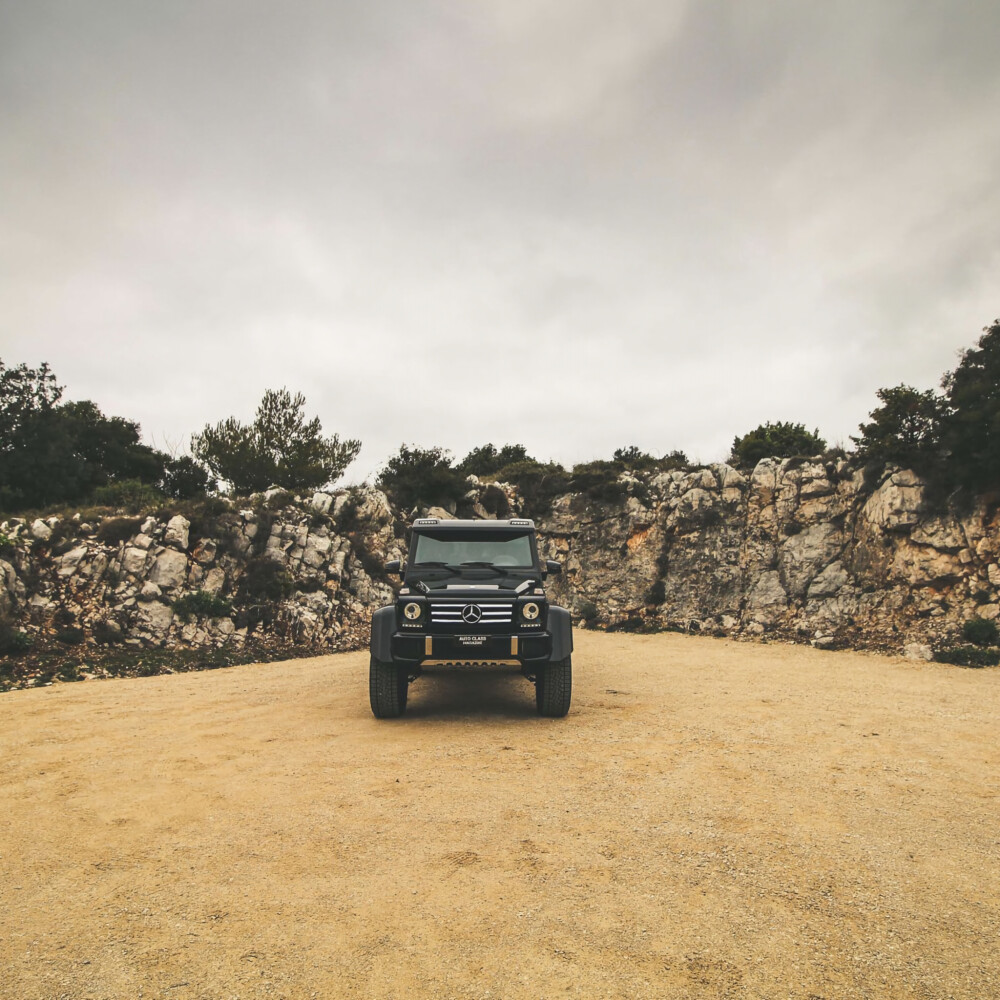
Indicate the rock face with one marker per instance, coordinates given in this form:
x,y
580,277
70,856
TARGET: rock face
x,y
801,549
297,575
798,549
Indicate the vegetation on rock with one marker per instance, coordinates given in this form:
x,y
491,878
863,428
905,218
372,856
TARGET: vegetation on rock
x,y
280,447
775,440
416,477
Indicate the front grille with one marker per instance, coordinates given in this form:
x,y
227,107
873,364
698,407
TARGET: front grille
x,y
450,613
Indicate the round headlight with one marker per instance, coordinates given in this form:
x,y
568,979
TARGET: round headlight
x,y
530,611
412,611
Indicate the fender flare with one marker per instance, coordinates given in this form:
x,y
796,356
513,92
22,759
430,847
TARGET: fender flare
x,y
383,625
561,627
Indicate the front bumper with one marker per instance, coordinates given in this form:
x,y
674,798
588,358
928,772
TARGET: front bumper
x,y
532,648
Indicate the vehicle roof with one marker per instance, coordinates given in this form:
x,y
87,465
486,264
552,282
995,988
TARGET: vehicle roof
x,y
450,524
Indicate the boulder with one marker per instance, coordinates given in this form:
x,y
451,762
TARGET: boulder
x,y
321,502
170,569
177,532
134,560
40,531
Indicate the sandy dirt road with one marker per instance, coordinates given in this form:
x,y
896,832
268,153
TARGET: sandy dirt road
x,y
713,819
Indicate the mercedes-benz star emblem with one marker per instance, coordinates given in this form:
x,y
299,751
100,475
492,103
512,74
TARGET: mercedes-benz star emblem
x,y
471,614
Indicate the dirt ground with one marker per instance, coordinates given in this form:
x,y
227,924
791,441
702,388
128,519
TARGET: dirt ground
x,y
713,819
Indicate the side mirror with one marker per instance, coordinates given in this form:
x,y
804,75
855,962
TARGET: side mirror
x,y
394,567
553,567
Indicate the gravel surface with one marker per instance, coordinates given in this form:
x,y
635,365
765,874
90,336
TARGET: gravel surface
x,y
713,819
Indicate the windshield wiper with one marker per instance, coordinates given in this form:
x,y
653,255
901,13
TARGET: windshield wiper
x,y
499,570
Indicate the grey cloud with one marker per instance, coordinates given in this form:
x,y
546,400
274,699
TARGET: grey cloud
x,y
653,223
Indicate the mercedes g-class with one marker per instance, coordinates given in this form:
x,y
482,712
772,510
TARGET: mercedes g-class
x,y
472,594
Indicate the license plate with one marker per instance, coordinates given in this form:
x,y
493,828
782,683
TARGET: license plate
x,y
472,640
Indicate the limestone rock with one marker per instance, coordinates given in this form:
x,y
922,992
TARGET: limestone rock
x,y
895,505
134,560
170,569
918,651
767,594
70,561
214,581
321,502
40,530
177,532
441,513
829,582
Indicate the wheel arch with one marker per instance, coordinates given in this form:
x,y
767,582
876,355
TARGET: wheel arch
x,y
383,625
561,627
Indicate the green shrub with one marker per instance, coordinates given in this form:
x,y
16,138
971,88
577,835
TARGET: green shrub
x,y
347,517
968,656
106,632
539,483
775,440
495,501
69,671
587,610
264,581
131,495
12,641
488,461
980,632
72,636
422,477
201,603
118,529
598,480
185,479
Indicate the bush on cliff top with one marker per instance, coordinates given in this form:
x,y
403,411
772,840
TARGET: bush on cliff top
x,y
416,477
775,440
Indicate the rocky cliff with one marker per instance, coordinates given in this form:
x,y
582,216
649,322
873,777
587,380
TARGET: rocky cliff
x,y
798,549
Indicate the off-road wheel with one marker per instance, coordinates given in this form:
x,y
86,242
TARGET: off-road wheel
x,y
554,688
387,684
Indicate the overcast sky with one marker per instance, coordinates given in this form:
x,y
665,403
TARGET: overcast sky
x,y
567,223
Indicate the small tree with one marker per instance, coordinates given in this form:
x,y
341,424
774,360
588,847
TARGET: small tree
x,y
184,478
777,440
970,422
421,477
903,430
280,446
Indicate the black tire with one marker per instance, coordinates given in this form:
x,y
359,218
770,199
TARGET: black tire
x,y
554,688
387,684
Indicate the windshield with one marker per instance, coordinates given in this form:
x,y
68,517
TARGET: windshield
x,y
452,548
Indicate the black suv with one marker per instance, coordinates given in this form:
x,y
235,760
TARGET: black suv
x,y
472,594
